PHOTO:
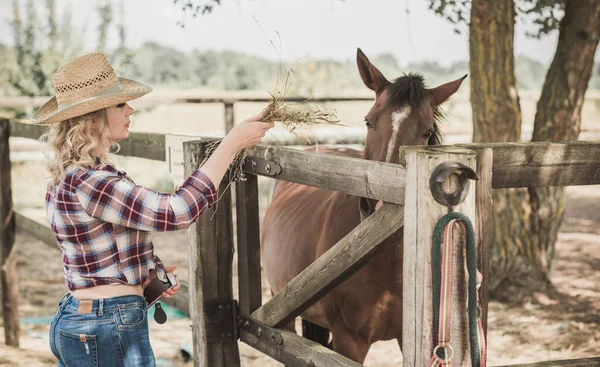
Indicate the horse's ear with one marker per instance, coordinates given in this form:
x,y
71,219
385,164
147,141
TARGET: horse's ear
x,y
441,94
371,76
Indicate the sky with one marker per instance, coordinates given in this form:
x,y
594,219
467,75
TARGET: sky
x,y
299,29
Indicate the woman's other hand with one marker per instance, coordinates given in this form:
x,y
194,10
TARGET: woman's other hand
x,y
248,133
171,292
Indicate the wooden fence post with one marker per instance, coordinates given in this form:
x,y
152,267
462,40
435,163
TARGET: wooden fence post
x,y
248,241
212,307
8,253
229,116
483,217
422,213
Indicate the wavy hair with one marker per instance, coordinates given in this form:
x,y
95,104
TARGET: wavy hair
x,y
71,142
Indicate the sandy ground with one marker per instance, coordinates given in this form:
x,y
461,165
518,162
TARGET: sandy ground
x,y
536,331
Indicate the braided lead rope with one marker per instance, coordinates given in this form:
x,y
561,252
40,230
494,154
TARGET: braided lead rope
x,y
441,262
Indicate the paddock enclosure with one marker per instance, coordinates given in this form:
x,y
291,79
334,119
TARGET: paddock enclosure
x,y
219,321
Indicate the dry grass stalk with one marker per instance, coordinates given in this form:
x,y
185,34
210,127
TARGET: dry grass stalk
x,y
293,116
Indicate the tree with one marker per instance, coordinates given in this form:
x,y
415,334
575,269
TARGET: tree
x,y
35,55
106,17
526,221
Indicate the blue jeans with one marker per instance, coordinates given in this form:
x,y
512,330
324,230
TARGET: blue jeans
x,y
114,332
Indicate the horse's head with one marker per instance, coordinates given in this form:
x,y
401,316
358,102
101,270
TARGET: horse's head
x,y
405,113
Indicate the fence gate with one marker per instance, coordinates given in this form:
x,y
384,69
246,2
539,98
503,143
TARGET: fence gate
x,y
218,321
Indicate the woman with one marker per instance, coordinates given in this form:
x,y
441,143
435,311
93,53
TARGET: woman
x,y
102,219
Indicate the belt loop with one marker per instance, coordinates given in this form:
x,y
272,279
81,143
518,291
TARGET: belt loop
x,y
101,307
63,301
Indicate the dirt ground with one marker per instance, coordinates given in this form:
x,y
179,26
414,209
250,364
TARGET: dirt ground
x,y
543,330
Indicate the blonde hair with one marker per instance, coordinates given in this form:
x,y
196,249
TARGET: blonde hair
x,y
71,142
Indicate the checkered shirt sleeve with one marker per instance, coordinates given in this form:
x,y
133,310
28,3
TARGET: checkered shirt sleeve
x,y
111,198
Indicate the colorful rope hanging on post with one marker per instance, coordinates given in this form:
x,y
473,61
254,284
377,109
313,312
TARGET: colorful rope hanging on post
x,y
441,263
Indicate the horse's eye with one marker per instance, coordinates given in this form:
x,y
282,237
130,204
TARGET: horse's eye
x,y
427,134
369,126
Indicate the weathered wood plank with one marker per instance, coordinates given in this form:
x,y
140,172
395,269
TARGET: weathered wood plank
x,y
333,267
580,362
29,131
296,351
8,251
515,164
424,212
544,164
228,117
360,177
248,242
141,145
482,223
39,230
210,272
265,99
144,145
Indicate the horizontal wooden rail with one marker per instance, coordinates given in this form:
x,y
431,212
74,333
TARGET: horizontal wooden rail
x,y
226,100
43,233
515,164
333,267
152,145
544,164
294,350
360,177
580,362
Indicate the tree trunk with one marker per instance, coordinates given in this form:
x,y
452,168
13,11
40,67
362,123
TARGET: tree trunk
x,y
497,118
526,221
558,115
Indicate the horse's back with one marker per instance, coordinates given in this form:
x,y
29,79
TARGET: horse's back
x,y
301,223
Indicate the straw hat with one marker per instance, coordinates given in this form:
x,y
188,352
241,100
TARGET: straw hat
x,y
86,84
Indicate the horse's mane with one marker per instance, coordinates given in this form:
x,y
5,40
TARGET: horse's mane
x,y
410,88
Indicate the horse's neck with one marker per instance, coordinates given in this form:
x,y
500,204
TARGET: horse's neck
x,y
388,263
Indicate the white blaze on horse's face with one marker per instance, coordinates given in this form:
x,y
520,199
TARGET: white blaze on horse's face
x,y
397,118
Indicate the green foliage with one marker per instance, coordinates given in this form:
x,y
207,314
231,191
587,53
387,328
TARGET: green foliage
x,y
157,65
195,8
28,66
544,15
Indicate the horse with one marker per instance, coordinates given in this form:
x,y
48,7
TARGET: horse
x,y
301,222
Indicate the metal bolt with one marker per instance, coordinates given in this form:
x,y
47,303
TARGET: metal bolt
x,y
221,306
268,168
259,331
272,337
246,324
253,163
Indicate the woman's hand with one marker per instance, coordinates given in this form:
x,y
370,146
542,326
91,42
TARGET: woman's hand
x,y
248,133
171,292
243,135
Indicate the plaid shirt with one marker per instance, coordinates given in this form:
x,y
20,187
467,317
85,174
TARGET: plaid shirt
x,y
102,221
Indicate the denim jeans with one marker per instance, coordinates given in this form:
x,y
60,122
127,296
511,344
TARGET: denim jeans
x,y
113,333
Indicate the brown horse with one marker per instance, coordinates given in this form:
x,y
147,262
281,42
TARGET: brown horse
x,y
302,222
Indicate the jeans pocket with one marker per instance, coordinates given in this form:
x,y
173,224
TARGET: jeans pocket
x,y
132,314
78,349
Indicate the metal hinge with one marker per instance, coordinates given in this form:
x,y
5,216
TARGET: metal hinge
x,y
261,166
260,330
220,320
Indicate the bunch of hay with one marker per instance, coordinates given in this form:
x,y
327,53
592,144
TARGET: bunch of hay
x,y
293,116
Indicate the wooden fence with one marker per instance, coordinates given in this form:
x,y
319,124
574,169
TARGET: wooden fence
x,y
218,321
